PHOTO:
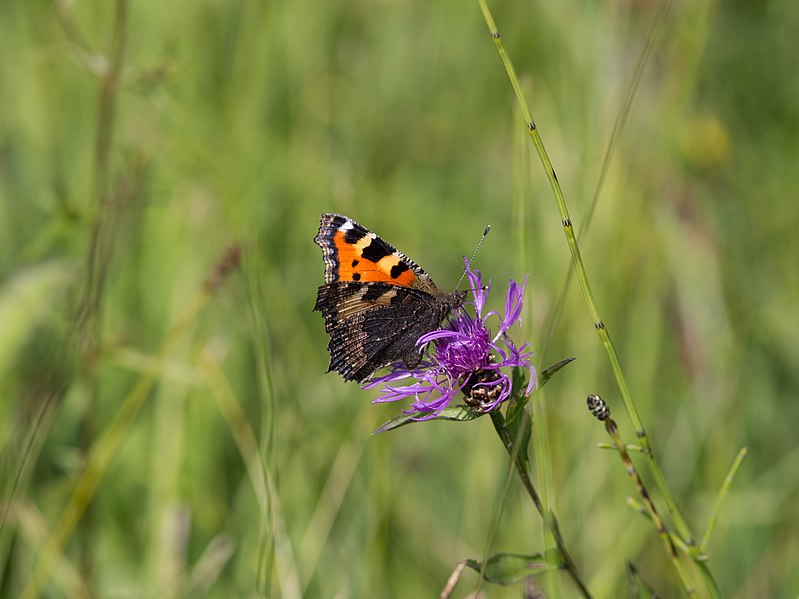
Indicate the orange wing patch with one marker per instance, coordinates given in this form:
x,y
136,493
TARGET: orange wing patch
x,y
366,261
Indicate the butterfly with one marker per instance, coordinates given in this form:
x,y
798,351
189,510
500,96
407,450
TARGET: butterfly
x,y
376,301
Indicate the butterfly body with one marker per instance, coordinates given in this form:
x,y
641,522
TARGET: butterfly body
x,y
376,302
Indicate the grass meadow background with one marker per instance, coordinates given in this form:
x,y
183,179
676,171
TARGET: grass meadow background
x,y
164,435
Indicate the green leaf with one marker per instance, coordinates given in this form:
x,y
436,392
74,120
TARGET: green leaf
x,y
460,413
510,568
518,400
518,423
546,374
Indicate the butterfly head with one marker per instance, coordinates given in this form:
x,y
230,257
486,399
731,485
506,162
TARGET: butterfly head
x,y
455,300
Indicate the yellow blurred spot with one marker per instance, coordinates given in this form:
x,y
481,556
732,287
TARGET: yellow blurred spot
x,y
705,142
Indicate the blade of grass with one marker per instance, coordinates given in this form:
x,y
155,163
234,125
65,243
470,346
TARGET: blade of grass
x,y
106,447
618,126
722,495
253,271
247,443
582,277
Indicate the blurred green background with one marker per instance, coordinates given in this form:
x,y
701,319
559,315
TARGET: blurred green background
x,y
225,462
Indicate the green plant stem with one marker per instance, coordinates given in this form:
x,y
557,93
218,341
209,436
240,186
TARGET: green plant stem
x,y
89,320
613,430
550,521
98,252
582,276
723,491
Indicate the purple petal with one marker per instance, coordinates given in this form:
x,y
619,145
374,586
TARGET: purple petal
x,y
440,334
479,293
397,372
533,383
514,300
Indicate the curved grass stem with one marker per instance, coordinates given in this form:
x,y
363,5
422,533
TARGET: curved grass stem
x,y
676,516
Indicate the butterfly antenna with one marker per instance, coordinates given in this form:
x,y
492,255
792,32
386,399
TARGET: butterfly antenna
x,y
474,253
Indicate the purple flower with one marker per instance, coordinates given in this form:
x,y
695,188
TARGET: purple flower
x,y
465,358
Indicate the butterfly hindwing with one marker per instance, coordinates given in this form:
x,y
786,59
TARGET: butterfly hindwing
x,y
372,325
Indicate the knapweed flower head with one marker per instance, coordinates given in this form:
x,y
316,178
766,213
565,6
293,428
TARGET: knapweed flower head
x,y
464,357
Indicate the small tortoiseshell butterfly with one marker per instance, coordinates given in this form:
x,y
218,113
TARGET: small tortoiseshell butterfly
x,y
375,300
